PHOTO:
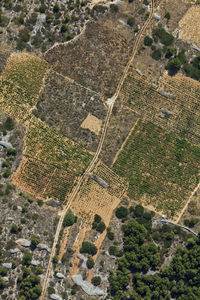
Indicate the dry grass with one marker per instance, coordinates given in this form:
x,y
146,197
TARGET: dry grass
x,y
189,26
92,123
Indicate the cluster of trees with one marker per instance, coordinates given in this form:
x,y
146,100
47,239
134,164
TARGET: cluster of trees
x,y
89,248
192,69
98,224
29,285
140,254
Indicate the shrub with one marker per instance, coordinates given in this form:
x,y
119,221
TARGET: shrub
x,y
55,259
174,65
165,37
96,280
9,124
167,16
2,283
131,21
63,28
35,241
114,8
148,41
156,54
5,164
90,263
27,258
69,219
121,212
3,271
11,151
40,202
110,235
191,223
15,228
42,9
56,8
7,173
24,35
89,248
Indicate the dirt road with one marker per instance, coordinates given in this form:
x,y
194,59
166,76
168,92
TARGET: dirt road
x,y
110,103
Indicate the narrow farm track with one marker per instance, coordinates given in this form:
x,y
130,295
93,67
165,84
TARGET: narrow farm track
x,y
110,103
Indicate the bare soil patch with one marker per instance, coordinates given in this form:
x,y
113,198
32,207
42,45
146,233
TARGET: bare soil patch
x,y
92,123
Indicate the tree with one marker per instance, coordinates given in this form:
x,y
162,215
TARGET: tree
x,y
7,173
101,227
69,219
121,212
96,280
3,271
148,41
63,28
138,211
89,248
174,65
90,263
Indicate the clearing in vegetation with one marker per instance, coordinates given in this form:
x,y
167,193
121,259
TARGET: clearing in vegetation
x,y
188,31
171,105
95,59
52,158
92,123
162,169
65,105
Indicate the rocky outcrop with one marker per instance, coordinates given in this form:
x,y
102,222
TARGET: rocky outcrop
x,y
87,287
23,242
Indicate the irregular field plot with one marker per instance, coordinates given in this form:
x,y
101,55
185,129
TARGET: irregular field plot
x,y
119,127
117,184
45,144
94,199
162,170
144,99
64,105
96,59
20,84
189,32
43,180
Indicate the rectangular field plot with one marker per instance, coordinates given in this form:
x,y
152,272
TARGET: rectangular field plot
x,y
179,97
20,84
44,143
42,180
161,169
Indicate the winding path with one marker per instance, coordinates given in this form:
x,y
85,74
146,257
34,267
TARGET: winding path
x,y
110,102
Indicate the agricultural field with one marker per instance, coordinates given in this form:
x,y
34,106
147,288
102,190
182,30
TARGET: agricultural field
x,y
49,152
162,169
189,32
95,59
121,122
66,105
21,81
174,95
